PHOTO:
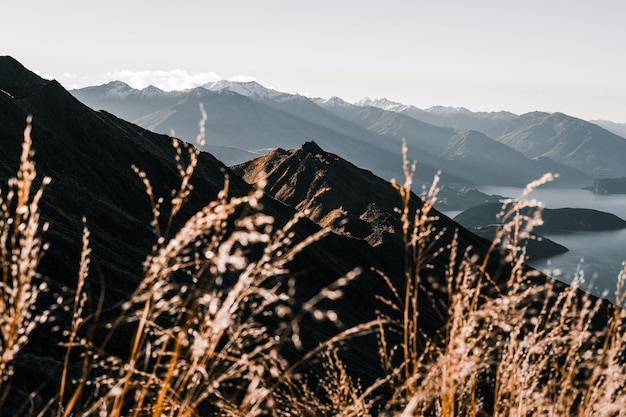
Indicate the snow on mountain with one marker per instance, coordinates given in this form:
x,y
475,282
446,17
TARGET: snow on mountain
x,y
152,91
382,103
334,101
250,89
117,89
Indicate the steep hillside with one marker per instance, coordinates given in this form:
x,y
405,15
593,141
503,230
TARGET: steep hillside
x,y
89,156
608,186
350,200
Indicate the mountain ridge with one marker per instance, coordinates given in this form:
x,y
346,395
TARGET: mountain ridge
x,y
330,123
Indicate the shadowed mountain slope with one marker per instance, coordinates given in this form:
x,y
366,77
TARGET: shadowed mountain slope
x,y
88,155
351,201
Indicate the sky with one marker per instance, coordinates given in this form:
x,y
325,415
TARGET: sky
x,y
549,55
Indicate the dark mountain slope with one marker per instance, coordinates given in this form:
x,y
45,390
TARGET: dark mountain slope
x,y
89,155
16,82
608,186
351,200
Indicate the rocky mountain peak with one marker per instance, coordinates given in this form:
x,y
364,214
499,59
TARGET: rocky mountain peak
x,y
311,147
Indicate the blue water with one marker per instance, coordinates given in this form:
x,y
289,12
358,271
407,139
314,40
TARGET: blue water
x,y
597,256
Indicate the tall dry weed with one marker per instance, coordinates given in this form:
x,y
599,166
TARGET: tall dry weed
x,y
211,316
21,249
513,345
215,311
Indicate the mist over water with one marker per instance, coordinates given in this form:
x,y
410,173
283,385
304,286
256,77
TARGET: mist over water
x,y
595,256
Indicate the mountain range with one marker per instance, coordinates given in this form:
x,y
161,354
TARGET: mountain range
x,y
89,155
592,148
247,119
466,146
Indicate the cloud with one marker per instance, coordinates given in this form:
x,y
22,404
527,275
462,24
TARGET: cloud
x,y
44,75
69,75
176,79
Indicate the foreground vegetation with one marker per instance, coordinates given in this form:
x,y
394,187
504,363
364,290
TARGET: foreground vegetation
x,y
208,325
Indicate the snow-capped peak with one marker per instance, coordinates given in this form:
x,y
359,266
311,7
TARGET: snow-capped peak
x,y
118,89
382,103
334,101
249,88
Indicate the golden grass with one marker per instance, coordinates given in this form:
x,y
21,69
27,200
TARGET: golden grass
x,y
511,346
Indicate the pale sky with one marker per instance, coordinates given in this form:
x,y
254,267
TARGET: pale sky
x,y
523,55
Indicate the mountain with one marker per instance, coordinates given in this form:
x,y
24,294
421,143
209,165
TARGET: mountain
x,y
250,89
458,118
239,128
617,128
566,140
569,141
465,154
88,155
351,201
121,99
241,116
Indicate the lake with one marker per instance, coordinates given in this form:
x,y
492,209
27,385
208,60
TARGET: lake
x,y
597,255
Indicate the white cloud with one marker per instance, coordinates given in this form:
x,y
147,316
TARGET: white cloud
x,y
69,75
44,75
176,79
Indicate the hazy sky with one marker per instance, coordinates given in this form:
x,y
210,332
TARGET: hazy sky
x,y
550,55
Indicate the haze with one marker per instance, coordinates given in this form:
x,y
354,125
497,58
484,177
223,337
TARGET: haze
x,y
560,55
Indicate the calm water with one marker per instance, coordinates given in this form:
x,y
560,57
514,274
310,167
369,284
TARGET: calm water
x,y
597,255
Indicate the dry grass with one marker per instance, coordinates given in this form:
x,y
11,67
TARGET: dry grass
x,y
216,308
21,249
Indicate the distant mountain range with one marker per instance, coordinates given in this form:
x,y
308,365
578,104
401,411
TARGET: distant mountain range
x,y
591,147
617,128
246,120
